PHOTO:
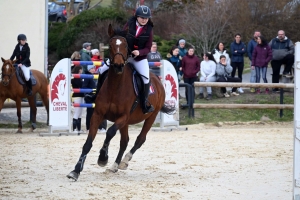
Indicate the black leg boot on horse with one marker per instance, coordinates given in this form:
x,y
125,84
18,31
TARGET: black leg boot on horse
x,y
29,87
146,106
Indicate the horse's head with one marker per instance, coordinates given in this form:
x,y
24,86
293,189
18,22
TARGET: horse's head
x,y
118,49
7,71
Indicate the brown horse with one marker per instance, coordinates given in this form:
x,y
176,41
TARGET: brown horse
x,y
115,102
11,88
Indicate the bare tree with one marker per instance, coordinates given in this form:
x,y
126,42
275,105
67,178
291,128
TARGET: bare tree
x,y
205,25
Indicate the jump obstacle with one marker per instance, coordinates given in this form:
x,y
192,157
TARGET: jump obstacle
x,y
60,95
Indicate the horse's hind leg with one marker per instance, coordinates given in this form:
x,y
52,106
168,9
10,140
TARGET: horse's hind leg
x,y
139,141
46,104
123,145
31,101
20,126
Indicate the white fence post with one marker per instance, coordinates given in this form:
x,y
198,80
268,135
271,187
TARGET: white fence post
x,y
296,174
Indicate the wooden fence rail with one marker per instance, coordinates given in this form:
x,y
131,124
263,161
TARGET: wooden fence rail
x,y
254,85
245,106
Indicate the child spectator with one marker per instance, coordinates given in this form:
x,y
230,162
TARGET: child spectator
x,y
96,57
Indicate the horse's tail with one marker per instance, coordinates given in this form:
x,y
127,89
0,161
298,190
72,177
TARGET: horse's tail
x,y
168,109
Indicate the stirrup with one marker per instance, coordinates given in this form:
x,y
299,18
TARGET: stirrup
x,y
29,92
147,109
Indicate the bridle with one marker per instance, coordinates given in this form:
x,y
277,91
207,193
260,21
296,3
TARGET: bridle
x,y
8,75
118,52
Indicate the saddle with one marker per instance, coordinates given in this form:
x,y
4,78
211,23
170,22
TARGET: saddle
x,y
20,77
138,84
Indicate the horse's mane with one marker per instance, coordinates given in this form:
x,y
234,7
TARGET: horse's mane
x,y
120,32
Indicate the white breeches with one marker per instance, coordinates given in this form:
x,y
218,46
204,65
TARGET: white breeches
x,y
26,72
77,110
141,67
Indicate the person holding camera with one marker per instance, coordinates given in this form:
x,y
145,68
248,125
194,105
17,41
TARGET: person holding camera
x,y
223,73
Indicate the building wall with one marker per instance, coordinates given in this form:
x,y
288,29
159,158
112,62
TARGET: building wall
x,y
27,17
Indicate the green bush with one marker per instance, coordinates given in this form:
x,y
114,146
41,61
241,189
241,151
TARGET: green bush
x,y
55,32
82,22
164,46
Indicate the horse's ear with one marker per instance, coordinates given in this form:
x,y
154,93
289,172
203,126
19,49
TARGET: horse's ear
x,y
3,60
14,61
111,32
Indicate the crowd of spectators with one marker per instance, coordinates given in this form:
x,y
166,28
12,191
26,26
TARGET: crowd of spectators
x,y
221,65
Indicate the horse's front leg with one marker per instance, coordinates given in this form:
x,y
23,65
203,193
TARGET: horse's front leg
x,y
2,100
95,121
18,105
123,145
111,132
32,104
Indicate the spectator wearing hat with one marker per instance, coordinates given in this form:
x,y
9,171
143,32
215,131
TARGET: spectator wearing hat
x,y
182,49
96,57
182,52
85,55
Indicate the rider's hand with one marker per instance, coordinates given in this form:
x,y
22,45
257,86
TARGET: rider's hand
x,y
135,52
19,65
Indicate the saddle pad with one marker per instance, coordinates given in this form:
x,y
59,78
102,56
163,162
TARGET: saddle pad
x,y
21,81
138,84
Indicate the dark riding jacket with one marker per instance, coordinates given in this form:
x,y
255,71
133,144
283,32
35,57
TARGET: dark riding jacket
x,y
22,55
142,42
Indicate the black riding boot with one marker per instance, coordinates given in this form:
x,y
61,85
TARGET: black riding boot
x,y
79,124
146,108
29,87
74,124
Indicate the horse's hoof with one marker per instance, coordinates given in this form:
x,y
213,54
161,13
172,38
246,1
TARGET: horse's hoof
x,y
102,163
33,126
73,175
123,166
19,131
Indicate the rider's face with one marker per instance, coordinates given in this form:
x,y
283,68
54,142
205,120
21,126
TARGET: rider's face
x,y
142,21
22,42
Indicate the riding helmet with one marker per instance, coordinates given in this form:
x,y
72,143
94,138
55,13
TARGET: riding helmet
x,y
143,11
22,37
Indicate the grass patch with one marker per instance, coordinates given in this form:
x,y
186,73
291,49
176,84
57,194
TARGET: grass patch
x,y
25,125
242,115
